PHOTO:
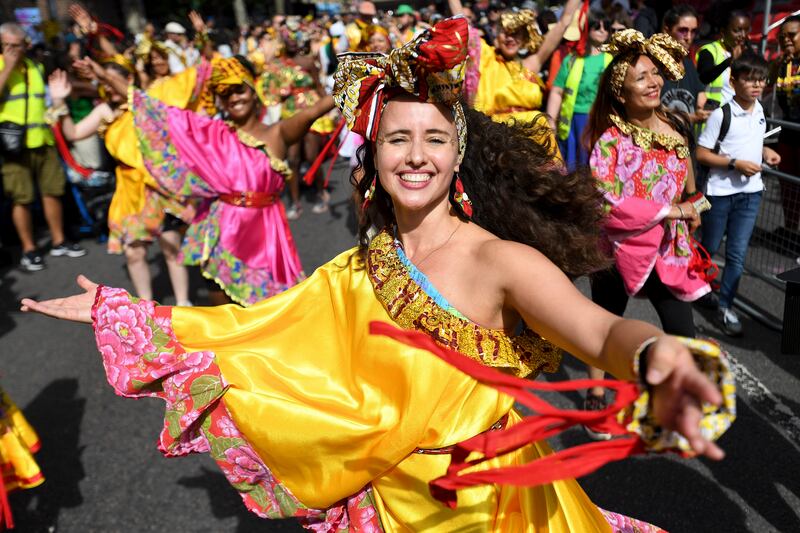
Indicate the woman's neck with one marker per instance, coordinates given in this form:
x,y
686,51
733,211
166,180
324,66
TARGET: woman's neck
x,y
249,125
646,118
419,231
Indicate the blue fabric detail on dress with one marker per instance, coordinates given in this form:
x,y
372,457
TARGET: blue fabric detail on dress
x,y
422,280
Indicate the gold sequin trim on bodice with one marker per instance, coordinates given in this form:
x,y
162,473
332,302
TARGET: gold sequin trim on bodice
x,y
411,307
644,138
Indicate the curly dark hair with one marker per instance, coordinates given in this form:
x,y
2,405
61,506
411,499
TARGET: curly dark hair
x,y
606,104
518,191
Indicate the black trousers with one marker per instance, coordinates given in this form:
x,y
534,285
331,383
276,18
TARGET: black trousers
x,y
609,293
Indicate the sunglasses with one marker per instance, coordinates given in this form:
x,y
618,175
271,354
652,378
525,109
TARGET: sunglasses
x,y
600,25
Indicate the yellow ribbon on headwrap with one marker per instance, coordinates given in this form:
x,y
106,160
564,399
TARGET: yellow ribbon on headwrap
x,y
513,21
119,59
629,44
225,73
431,68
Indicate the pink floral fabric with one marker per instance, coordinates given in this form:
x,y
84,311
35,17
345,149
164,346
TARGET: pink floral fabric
x,y
640,188
142,357
472,74
625,524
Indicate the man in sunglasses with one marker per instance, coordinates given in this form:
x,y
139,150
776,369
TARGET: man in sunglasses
x,y
687,94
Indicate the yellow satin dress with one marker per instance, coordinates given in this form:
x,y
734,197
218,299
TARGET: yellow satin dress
x,y
138,204
18,443
331,409
507,92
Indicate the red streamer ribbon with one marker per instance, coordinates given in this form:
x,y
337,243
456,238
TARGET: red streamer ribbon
x,y
66,155
549,421
312,170
6,520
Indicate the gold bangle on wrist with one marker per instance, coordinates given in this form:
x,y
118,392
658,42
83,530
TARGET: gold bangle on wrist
x,y
680,210
54,114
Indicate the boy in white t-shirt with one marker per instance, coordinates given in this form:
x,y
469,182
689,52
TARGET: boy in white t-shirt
x,y
734,183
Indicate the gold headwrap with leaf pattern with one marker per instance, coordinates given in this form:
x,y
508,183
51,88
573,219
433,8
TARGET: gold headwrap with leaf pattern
x,y
629,44
147,45
431,68
119,59
513,21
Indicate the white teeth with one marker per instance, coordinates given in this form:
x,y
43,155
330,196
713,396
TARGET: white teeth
x,y
415,178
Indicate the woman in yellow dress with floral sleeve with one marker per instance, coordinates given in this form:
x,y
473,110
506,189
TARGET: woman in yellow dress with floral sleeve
x,y
345,429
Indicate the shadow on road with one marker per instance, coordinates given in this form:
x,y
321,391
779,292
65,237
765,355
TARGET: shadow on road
x,y
758,461
8,298
226,503
56,414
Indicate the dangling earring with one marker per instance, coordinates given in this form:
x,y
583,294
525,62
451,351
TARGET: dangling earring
x,y
460,197
370,194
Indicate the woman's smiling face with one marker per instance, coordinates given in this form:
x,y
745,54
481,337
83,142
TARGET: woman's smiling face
x,y
416,153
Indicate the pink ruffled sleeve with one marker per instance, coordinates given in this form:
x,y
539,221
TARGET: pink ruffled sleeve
x,y
143,358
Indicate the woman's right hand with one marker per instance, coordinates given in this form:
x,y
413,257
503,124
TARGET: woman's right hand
x,y
197,21
59,85
82,18
77,308
89,69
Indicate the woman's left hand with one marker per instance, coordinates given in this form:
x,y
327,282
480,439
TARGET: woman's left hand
x,y
679,390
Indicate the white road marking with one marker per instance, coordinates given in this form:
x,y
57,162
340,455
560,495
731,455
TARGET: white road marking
x,y
770,406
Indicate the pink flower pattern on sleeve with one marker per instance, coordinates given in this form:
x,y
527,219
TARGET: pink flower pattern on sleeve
x,y
143,358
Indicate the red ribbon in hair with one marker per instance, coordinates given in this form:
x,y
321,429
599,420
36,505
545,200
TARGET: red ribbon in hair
x,y
570,463
430,67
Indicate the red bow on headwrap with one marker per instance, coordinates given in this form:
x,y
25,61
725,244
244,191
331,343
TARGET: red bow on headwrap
x,y
431,67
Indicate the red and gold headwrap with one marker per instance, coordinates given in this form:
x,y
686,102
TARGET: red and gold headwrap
x,y
431,67
513,21
225,73
629,44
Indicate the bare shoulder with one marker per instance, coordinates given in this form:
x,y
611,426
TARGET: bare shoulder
x,y
514,263
502,253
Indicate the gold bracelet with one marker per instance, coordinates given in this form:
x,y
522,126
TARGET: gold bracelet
x,y
54,114
681,210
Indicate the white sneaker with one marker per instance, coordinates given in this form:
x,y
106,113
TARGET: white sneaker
x,y
294,212
729,322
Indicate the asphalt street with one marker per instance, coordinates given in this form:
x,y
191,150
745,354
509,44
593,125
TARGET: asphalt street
x,y
104,473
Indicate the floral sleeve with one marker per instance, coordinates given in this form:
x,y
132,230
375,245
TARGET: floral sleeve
x,y
160,155
142,357
603,162
614,163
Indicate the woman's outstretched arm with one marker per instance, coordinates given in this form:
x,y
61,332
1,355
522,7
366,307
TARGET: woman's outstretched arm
x,y
554,308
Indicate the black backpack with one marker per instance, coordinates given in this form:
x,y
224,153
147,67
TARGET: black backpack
x,y
702,172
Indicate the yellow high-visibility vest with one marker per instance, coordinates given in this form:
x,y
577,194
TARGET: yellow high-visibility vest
x,y
714,89
12,103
